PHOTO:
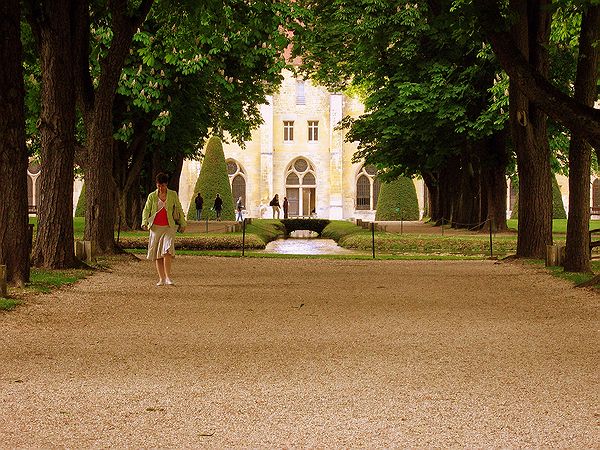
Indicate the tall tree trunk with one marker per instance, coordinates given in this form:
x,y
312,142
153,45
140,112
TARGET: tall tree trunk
x,y
14,240
100,185
101,194
580,153
54,243
529,133
494,177
432,187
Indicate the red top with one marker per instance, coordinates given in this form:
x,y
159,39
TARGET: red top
x,y
161,218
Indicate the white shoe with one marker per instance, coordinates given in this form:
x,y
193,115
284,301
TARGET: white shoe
x,y
160,283
169,282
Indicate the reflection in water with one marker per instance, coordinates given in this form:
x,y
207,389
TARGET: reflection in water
x,y
305,246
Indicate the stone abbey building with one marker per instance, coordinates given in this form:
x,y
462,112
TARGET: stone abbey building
x,y
299,153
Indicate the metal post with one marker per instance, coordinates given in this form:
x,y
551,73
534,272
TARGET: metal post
x,y
119,229
3,286
491,243
373,237
243,236
442,226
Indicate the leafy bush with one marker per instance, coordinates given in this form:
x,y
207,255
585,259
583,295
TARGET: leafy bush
x,y
338,229
266,229
398,201
393,243
210,241
213,179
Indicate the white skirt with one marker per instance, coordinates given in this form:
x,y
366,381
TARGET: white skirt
x,y
161,242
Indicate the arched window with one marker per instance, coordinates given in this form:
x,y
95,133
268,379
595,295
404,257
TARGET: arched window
x,y
512,202
367,188
596,193
300,188
237,178
33,191
363,192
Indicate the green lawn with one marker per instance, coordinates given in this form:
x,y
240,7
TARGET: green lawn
x,y
348,235
558,225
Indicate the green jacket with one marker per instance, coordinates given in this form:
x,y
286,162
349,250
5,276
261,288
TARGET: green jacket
x,y
174,210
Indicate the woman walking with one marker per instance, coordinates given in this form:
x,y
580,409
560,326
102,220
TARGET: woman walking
x,y
163,216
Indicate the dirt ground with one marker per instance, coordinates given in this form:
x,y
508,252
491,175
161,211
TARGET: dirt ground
x,y
262,353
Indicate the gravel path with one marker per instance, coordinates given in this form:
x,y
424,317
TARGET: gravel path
x,y
304,353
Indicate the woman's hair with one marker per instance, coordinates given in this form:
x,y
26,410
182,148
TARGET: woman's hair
x,y
162,178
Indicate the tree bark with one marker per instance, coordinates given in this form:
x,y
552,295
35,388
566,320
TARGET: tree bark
x,y
101,194
576,116
580,153
14,240
494,177
529,134
54,243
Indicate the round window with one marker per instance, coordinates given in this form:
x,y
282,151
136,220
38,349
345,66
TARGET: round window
x,y
232,167
301,165
371,170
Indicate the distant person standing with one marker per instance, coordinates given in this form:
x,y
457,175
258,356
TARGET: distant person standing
x,y
218,206
238,208
163,216
199,202
275,205
285,207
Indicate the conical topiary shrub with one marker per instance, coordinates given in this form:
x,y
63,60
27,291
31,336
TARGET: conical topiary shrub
x,y
398,201
213,179
558,209
80,208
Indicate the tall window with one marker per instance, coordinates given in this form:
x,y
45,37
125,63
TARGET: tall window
x,y
300,98
300,188
237,178
363,192
596,193
367,188
288,130
313,130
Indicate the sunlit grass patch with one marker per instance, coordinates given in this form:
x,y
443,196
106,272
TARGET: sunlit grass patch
x,y
6,304
45,280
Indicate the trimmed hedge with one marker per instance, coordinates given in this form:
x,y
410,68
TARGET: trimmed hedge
x,y
213,179
558,209
80,208
210,241
398,201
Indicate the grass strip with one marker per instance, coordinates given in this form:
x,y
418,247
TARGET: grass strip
x,y
8,304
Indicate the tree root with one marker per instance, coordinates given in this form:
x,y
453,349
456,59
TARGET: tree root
x,y
589,283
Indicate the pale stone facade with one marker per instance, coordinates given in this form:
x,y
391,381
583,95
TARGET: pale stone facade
x,y
299,125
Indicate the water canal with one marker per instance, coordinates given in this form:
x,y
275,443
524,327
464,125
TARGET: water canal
x,y
304,243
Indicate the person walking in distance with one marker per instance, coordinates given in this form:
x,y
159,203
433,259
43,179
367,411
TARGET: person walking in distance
x,y
163,216
218,206
275,205
239,207
199,203
286,206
